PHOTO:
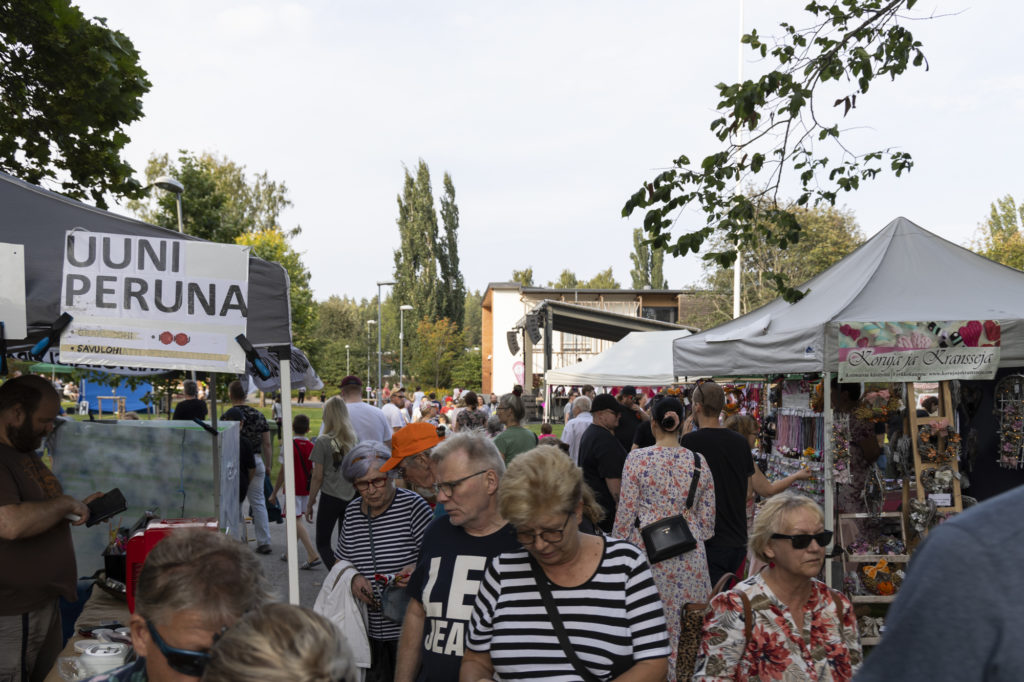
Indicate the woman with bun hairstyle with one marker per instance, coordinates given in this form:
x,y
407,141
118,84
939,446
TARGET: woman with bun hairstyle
x,y
655,485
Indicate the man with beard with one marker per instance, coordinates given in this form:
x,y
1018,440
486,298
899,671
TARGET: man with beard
x,y
37,559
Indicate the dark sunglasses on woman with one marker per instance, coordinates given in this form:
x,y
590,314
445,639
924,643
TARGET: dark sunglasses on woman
x,y
803,540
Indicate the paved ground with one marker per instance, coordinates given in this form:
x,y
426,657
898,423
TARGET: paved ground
x,y
277,570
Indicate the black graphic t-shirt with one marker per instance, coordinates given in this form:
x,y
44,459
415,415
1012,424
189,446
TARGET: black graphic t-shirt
x,y
446,581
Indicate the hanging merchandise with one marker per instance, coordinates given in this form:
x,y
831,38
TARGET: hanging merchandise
x,y
841,449
876,406
1009,408
798,444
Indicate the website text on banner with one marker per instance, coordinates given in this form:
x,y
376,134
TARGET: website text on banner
x,y
155,303
918,351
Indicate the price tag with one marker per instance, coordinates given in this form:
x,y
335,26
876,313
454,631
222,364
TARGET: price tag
x,y
941,499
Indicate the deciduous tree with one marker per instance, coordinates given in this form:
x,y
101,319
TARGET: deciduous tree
x,y
777,127
524,277
438,346
648,264
1000,236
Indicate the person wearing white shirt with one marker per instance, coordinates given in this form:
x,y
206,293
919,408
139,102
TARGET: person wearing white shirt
x,y
367,420
394,411
573,432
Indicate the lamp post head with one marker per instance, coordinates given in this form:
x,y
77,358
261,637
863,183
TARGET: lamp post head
x,y
371,322
385,284
405,307
169,184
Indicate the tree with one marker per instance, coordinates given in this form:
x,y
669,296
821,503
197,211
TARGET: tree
x,y
602,280
341,322
999,237
468,370
453,288
272,244
826,237
69,86
219,202
524,277
777,127
416,276
648,264
472,323
437,350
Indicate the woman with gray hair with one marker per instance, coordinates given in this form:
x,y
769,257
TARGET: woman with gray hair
x,y
782,623
281,643
381,535
514,439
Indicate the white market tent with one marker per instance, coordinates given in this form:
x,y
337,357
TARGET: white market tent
x,y
903,273
639,359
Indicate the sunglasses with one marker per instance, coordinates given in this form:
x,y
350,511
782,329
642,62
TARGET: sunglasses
x,y
803,541
184,661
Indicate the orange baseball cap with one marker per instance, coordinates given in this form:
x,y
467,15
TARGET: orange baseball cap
x,y
411,440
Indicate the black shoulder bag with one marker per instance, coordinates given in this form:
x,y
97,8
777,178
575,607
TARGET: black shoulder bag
x,y
671,536
556,623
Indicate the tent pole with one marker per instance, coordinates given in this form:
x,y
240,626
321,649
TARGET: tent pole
x,y
826,460
284,359
216,450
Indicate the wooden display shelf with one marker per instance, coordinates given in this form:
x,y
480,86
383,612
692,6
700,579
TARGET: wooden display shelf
x,y
872,598
870,641
874,558
868,515
913,422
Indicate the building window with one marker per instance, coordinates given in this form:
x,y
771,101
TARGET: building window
x,y
661,314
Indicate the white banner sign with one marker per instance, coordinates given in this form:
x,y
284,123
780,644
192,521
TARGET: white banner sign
x,y
153,303
12,290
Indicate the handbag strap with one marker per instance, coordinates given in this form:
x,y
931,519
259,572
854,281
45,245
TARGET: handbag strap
x,y
556,622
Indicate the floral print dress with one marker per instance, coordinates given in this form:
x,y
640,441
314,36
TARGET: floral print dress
x,y
824,649
655,483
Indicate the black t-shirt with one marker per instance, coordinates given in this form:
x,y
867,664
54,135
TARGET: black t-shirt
x,y
189,409
246,463
628,424
731,464
644,437
446,580
253,425
602,456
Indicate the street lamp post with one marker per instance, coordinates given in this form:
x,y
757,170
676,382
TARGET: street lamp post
x,y
169,184
401,342
380,393
369,382
347,363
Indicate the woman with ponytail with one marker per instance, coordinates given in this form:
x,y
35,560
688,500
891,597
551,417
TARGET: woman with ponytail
x,y
655,484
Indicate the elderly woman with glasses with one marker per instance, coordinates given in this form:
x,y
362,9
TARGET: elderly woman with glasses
x,y
782,623
381,535
569,605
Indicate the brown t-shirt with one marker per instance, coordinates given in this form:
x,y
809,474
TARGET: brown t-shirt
x,y
38,569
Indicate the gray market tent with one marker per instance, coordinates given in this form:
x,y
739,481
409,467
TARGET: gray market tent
x,y
640,359
38,219
903,273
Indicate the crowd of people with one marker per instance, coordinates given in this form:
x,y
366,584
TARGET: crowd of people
x,y
470,551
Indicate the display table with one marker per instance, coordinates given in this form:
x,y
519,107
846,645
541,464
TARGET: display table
x,y
101,607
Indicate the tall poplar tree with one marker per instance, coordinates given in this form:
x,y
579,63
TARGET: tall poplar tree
x,y
648,264
453,287
416,262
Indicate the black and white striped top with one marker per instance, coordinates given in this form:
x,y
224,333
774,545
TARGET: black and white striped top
x,y
613,620
397,537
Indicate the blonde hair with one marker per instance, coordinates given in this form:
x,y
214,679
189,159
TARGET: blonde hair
x,y
281,643
544,481
743,424
338,426
773,514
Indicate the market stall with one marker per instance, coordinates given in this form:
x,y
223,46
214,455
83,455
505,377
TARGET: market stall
x,y
906,306
59,255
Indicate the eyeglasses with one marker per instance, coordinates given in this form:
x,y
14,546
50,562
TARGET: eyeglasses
x,y
803,540
448,487
363,486
549,536
184,661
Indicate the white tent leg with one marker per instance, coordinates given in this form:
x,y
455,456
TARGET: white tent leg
x,y
289,474
826,461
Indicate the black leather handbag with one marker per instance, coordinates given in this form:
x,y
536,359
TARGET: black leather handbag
x,y
671,536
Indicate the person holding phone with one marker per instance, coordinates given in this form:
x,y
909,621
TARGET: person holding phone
x,y
37,559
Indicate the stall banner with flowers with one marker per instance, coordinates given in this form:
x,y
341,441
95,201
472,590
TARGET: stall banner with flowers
x,y
918,351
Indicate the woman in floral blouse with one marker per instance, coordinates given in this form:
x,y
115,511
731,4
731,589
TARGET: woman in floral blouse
x,y
655,483
799,629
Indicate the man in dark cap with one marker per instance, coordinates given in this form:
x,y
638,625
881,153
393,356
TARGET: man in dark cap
x,y
602,456
631,417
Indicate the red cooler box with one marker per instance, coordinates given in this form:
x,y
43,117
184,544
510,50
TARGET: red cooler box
x,y
144,541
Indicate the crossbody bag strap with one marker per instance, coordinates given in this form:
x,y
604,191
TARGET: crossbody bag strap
x,y
839,614
556,622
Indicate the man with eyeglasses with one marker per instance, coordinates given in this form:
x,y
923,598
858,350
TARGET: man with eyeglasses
x,y
394,410
410,455
193,585
455,552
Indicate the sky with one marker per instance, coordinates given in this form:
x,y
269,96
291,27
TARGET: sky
x,y
548,116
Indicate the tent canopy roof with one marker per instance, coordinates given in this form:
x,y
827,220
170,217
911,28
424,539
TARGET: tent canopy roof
x,y
570,318
639,359
903,273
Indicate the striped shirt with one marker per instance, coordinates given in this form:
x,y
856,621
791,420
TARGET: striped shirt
x,y
612,620
397,537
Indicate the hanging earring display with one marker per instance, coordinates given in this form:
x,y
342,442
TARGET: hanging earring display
x,y
1009,408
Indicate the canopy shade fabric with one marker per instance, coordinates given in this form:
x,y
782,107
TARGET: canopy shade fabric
x,y
639,359
594,323
902,274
